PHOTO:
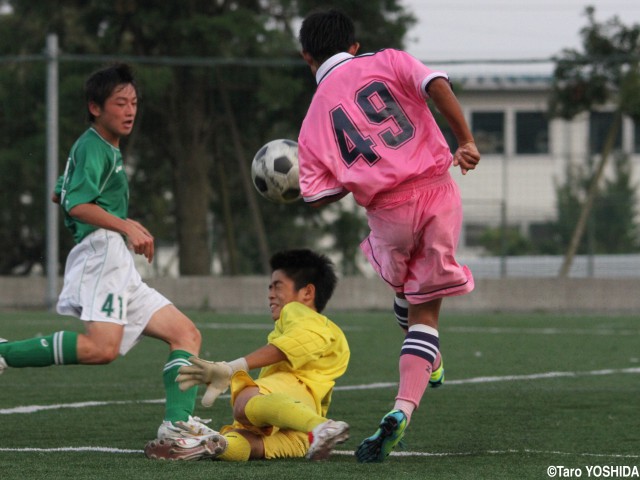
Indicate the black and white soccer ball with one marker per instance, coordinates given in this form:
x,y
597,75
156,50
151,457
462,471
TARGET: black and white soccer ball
x,y
274,171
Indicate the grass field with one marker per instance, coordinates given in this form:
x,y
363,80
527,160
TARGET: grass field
x,y
523,393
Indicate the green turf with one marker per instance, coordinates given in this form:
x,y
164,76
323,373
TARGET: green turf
x,y
507,428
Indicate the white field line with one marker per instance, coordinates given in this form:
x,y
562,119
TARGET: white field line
x,y
71,449
342,452
370,386
542,331
506,378
462,329
36,408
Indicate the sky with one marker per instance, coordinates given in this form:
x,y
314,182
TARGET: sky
x,y
465,30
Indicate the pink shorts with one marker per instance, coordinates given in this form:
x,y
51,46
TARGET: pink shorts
x,y
413,239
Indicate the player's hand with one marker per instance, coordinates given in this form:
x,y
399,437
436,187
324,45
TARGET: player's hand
x,y
466,157
55,198
140,239
216,375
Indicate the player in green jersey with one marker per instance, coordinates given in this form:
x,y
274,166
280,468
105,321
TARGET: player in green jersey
x,y
102,286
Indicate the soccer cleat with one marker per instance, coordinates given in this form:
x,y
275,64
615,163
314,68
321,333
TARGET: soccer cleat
x,y
324,437
437,376
188,449
379,445
3,362
193,428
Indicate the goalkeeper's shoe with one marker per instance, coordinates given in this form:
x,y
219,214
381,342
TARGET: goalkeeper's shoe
x,y
324,437
193,428
437,376
3,362
379,445
190,449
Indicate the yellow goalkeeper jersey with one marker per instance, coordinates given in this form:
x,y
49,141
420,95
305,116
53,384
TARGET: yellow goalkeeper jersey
x,y
316,348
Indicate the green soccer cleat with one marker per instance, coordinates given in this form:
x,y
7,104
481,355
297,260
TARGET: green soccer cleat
x,y
437,376
379,445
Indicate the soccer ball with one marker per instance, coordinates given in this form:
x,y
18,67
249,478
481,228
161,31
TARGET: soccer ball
x,y
274,171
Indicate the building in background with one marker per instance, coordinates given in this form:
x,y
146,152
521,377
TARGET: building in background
x,y
525,153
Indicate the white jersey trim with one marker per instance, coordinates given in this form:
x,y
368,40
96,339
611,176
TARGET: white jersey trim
x,y
323,194
429,79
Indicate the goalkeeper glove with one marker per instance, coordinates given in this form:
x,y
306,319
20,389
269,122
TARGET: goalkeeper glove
x,y
216,375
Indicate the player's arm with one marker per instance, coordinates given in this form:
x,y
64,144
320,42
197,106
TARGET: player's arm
x,y
217,375
467,155
204,372
57,190
264,356
138,237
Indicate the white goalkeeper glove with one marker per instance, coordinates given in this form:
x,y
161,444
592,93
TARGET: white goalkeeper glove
x,y
215,375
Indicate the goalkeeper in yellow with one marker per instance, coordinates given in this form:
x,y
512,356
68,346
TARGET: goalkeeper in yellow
x,y
283,413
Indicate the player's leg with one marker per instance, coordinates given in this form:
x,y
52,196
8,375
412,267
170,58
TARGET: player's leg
x,y
401,312
290,408
173,327
432,268
417,356
275,409
93,292
58,348
429,269
99,345
242,445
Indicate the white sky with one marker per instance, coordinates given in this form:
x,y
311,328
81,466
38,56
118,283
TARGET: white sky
x,y
504,29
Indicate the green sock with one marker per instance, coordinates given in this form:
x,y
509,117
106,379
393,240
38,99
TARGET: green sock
x,y
59,348
179,404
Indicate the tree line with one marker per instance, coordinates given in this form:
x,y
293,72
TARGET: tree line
x,y
218,80
199,121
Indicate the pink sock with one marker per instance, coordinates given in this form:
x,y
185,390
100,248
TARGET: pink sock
x,y
414,378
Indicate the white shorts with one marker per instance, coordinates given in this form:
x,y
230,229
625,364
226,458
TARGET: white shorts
x,y
101,284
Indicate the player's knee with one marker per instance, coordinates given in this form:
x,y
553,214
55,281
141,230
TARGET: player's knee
x,y
99,355
106,357
96,350
184,335
238,413
190,337
240,404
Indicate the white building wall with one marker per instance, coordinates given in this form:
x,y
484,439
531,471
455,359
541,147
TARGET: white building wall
x,y
524,183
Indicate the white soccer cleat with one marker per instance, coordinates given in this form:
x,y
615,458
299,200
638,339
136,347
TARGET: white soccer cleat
x,y
193,428
326,436
3,363
188,449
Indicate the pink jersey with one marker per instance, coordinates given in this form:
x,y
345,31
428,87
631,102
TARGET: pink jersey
x,y
368,128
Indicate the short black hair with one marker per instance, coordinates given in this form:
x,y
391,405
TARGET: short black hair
x,y
323,34
101,84
305,267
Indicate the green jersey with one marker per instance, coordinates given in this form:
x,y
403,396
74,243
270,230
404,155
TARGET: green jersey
x,y
94,174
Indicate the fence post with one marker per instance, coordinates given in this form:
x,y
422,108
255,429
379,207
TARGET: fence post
x,y
52,249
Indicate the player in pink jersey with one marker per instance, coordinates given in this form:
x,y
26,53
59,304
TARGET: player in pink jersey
x,y
369,131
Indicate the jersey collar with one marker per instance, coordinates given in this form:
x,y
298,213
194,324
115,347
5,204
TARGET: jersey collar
x,y
102,138
332,62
